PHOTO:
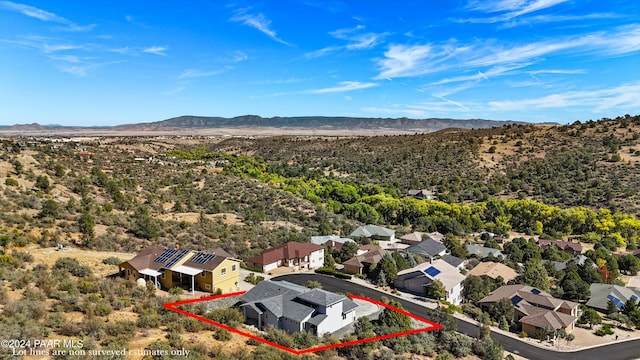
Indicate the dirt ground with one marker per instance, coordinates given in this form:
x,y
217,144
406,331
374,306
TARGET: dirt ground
x,y
91,258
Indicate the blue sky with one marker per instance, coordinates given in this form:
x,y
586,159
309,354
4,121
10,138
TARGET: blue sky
x,y
112,62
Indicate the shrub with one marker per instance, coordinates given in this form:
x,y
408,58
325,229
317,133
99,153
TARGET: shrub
x,y
11,182
112,260
222,335
604,330
176,291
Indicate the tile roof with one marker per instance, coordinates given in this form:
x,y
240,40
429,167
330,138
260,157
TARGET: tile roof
x,y
552,319
493,270
288,250
562,245
371,257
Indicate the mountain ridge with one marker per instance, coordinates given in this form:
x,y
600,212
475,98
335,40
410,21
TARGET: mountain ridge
x,y
317,124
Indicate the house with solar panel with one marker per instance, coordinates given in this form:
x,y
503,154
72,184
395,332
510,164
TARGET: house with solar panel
x,y
603,294
216,271
416,279
295,308
535,309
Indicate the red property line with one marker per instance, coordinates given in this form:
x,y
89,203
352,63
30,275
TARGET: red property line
x,y
432,325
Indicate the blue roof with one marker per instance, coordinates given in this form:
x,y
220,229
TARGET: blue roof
x,y
617,301
432,271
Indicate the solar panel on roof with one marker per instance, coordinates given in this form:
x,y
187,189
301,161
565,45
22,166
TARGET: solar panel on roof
x,y
432,271
616,301
201,258
177,257
535,291
634,298
516,299
166,254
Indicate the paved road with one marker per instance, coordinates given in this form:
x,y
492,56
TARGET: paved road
x,y
618,351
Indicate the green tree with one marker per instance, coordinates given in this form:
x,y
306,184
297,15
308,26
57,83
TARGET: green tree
x,y
435,290
42,183
18,167
145,226
49,209
86,223
392,321
535,274
348,250
591,317
503,308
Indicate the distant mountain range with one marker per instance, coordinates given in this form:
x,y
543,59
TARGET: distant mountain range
x,y
255,125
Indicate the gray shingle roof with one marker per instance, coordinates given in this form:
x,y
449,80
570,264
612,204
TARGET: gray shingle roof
x,y
600,295
268,289
372,230
482,252
320,297
428,247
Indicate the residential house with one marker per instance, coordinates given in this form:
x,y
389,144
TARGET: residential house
x,y
373,232
331,241
417,236
570,247
482,252
602,294
454,261
295,308
214,271
293,255
427,248
366,257
421,194
580,260
535,309
493,270
416,279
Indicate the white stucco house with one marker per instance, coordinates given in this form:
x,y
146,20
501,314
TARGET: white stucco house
x,y
415,279
295,308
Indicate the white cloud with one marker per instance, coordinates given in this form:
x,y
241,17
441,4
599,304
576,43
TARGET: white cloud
x,y
321,52
195,73
357,40
625,96
157,50
257,21
513,7
43,15
342,87
83,70
417,60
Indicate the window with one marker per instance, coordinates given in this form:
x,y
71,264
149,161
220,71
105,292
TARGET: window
x,y
233,267
207,287
223,271
203,274
344,316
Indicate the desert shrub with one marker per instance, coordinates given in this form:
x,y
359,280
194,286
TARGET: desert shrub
x,y
102,308
604,330
148,319
112,260
304,340
11,182
72,266
176,291
121,327
222,335
228,316
279,336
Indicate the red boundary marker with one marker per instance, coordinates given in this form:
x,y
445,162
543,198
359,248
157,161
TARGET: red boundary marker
x,y
174,307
